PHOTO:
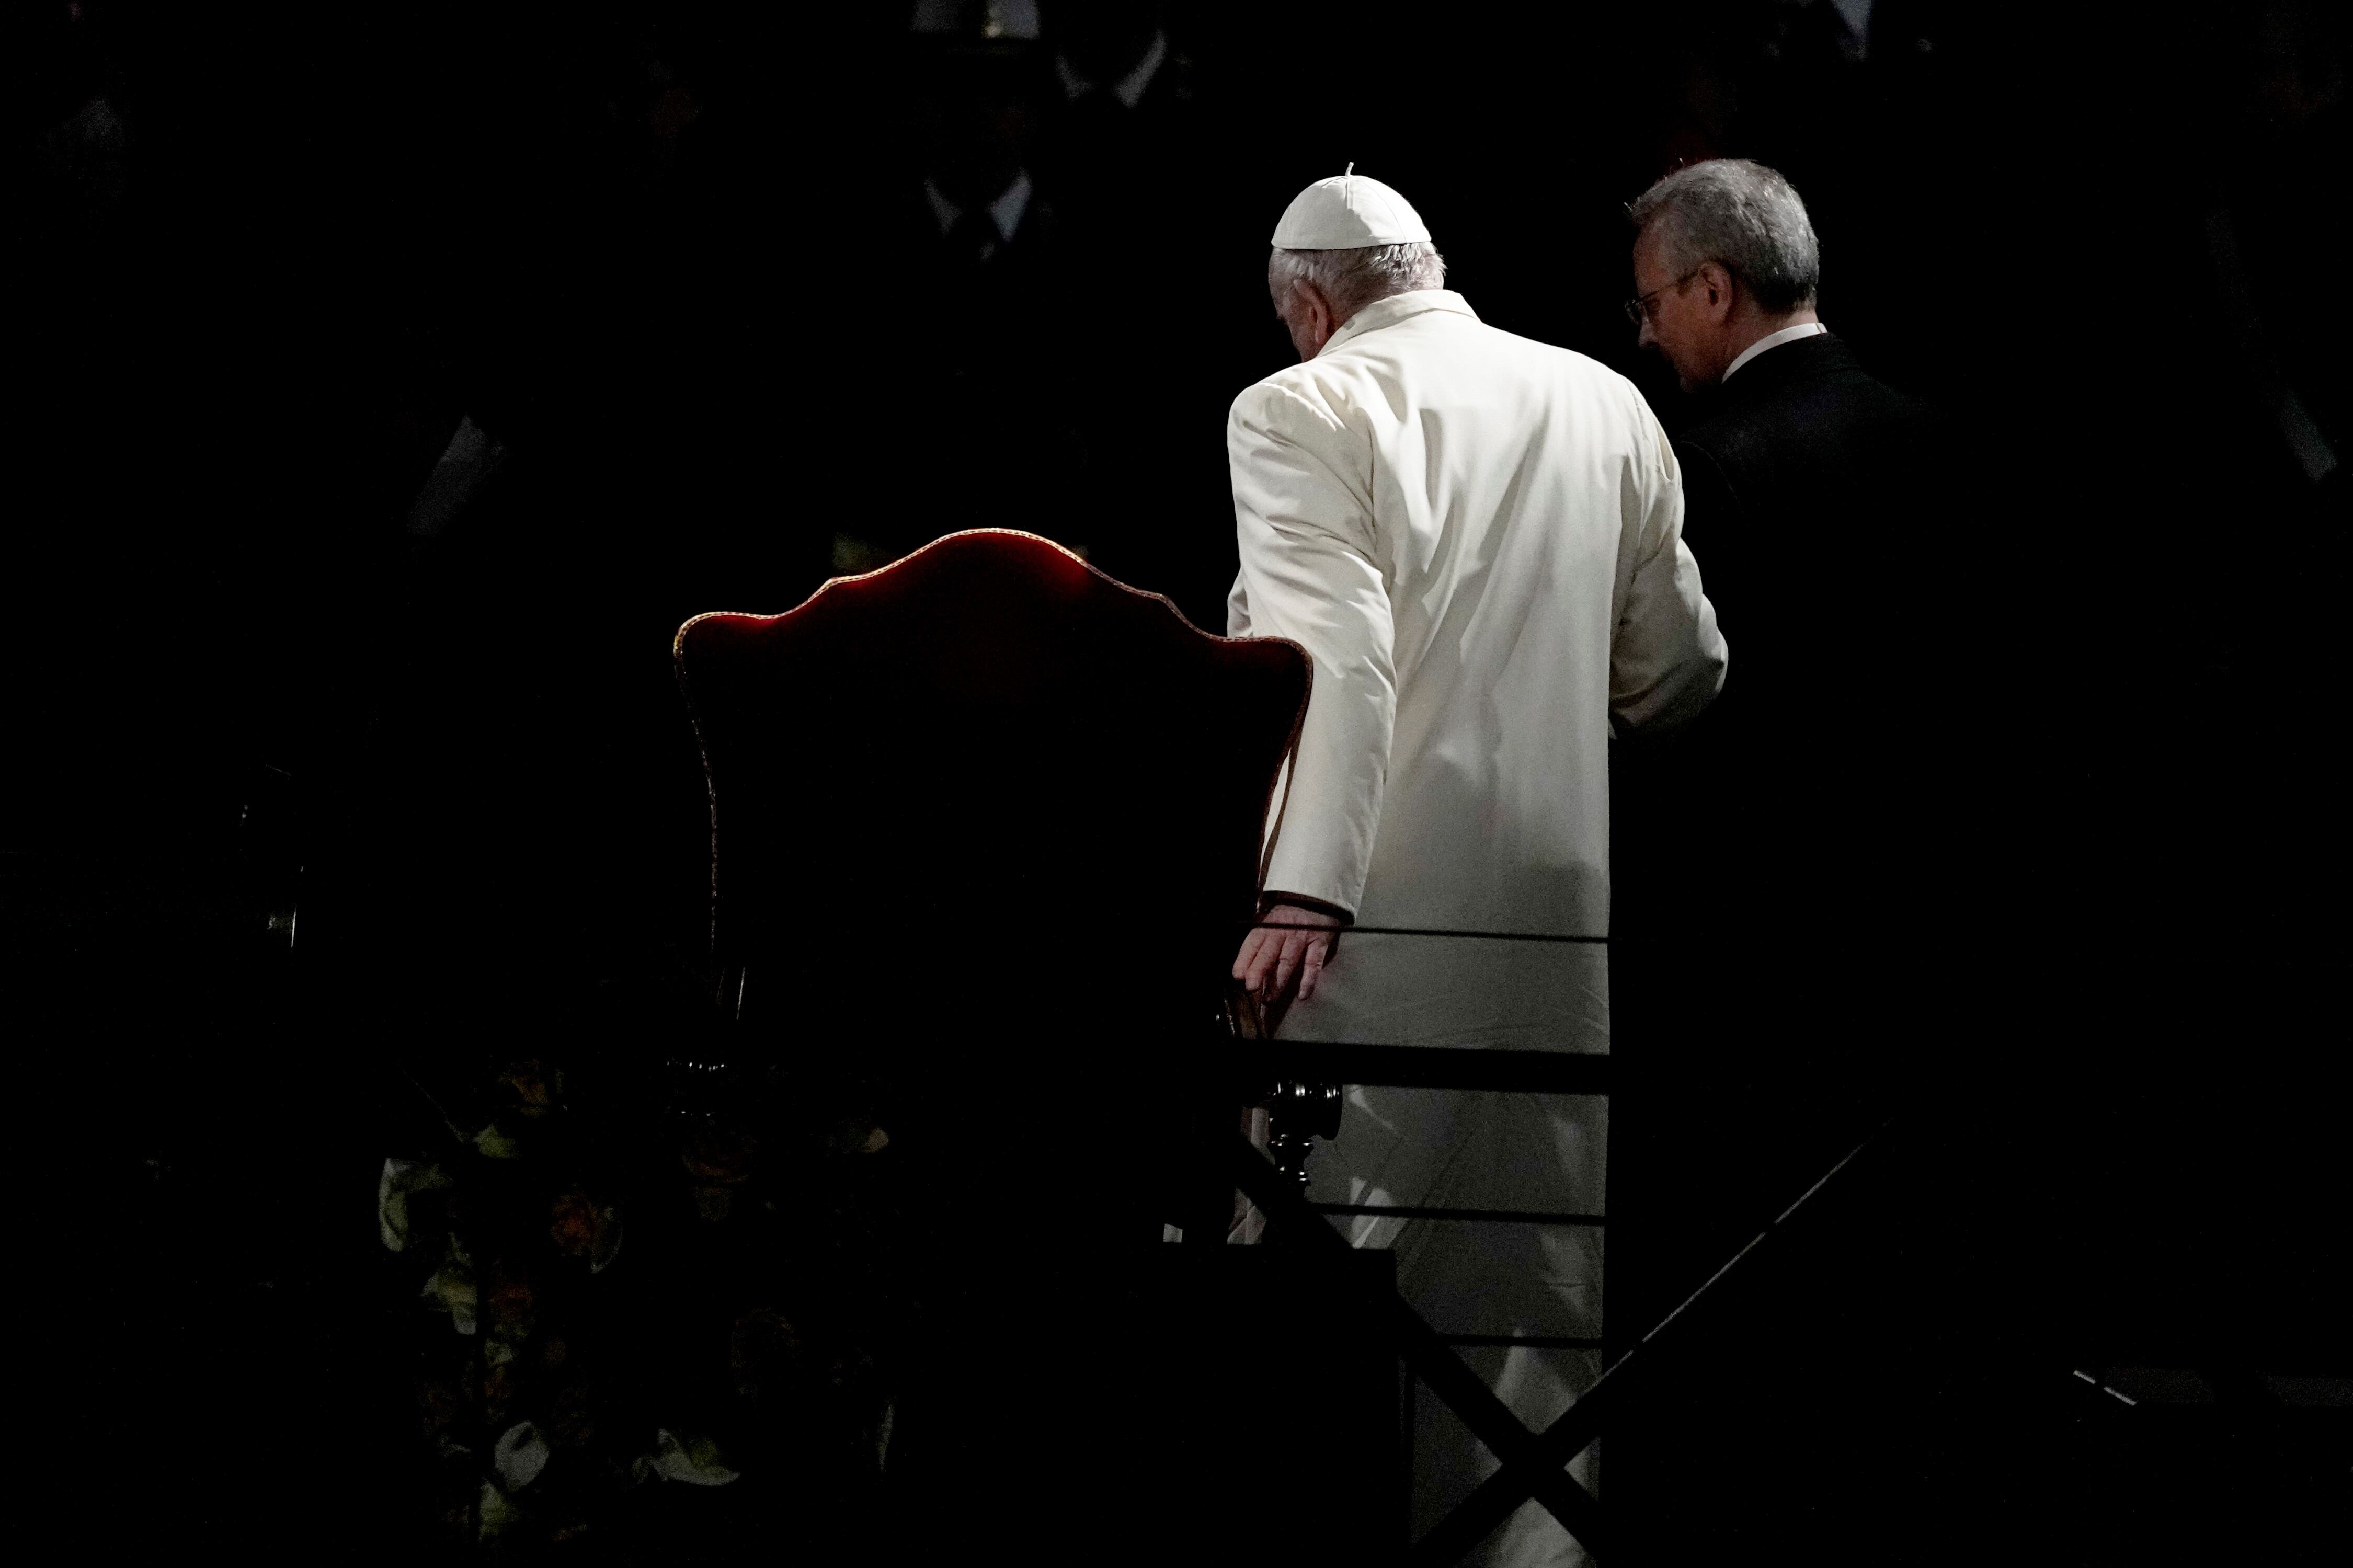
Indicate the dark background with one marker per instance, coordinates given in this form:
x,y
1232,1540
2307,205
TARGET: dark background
x,y
673,262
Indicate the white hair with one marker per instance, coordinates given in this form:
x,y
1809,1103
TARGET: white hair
x,y
1352,280
1743,216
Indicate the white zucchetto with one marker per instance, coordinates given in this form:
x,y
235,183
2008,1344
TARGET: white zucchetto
x,y
1348,212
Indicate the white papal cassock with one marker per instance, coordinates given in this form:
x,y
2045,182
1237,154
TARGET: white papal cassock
x,y
1477,537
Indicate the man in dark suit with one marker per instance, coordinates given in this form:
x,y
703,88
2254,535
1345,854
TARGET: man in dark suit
x,y
966,326
1781,942
1809,484
1785,964
1783,967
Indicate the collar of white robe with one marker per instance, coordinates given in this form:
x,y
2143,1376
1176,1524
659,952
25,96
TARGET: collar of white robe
x,y
1348,212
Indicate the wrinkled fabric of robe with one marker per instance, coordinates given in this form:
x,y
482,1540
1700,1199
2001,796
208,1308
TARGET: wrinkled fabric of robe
x,y
1477,538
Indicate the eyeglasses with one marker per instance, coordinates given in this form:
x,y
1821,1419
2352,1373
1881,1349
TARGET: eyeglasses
x,y
1638,306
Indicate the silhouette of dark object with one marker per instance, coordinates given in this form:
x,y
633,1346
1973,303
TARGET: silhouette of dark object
x,y
986,828
915,763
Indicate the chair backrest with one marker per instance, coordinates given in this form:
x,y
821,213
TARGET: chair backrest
x,y
986,791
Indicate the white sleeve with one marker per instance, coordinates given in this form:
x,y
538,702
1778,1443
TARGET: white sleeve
x,y
1667,659
1304,523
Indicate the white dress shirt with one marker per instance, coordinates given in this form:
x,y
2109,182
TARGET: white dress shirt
x,y
1005,214
1130,88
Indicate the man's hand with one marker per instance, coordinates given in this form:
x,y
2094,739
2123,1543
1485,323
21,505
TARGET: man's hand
x,y
1273,961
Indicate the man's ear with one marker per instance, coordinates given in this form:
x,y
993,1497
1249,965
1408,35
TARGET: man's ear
x,y
1317,321
1717,280
1315,307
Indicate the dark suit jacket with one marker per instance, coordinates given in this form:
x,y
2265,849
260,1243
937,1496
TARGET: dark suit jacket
x,y
1820,504
1816,500
1785,884
1783,866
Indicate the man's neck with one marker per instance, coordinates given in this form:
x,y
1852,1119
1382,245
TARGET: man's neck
x,y
1760,328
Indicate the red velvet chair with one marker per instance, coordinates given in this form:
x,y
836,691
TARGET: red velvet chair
x,y
988,823
986,832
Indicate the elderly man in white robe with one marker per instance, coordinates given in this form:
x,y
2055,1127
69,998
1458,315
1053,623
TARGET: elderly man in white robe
x,y
1477,538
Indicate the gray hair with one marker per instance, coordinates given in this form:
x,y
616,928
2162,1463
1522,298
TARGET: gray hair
x,y
1745,218
1352,280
